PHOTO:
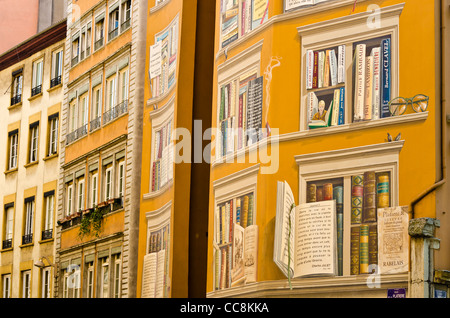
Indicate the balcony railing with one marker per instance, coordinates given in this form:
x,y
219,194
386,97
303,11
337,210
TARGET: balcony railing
x,y
125,25
95,123
7,243
16,99
36,90
77,134
74,61
28,238
88,51
115,112
82,56
47,234
55,81
113,33
98,43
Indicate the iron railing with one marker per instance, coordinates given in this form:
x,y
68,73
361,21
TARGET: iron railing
x,y
27,239
95,123
77,134
47,234
55,81
115,112
7,243
16,99
98,43
36,90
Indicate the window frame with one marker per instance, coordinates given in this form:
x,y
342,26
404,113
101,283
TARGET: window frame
x,y
46,282
6,285
33,143
49,211
53,134
57,67
69,198
13,149
37,76
26,283
94,189
109,187
17,87
80,194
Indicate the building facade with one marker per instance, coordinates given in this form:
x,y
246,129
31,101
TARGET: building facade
x,y
297,123
31,77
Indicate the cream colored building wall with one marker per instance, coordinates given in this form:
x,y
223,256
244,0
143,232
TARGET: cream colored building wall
x,y
30,179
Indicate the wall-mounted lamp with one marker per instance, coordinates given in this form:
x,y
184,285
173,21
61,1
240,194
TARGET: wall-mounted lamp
x,y
40,264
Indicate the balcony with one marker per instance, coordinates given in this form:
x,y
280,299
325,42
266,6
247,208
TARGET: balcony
x,y
98,44
95,123
125,25
77,134
74,61
16,99
7,244
115,112
55,81
36,90
47,234
113,33
27,239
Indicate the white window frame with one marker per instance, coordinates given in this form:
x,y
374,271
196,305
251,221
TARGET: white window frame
x,y
109,185
111,88
34,143
26,284
124,77
29,217
125,14
80,194
53,124
121,179
38,68
13,150
105,268
65,289
83,109
96,102
94,189
49,211
90,280
117,276
73,115
9,220
46,282
57,63
6,284
69,199
17,85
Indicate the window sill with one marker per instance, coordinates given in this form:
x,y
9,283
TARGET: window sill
x,y
10,171
55,155
15,106
315,286
26,245
158,192
30,164
9,249
35,97
46,241
159,6
298,135
51,89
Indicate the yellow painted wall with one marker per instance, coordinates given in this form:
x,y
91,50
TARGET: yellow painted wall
x,y
417,168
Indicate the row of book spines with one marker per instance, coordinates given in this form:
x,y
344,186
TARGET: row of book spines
x,y
324,68
369,192
325,192
156,176
159,241
244,217
364,248
372,81
223,267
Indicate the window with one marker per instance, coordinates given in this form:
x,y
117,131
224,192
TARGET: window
x,y
13,150
96,113
235,222
109,183
104,277
162,161
123,94
36,85
46,278
73,116
111,93
238,17
126,15
69,202
90,280
166,46
29,215
94,189
83,110
75,49
17,87
365,183
99,31
6,284
9,226
356,75
57,68
80,195
33,142
88,39
113,22
26,282
117,275
53,127
239,103
121,179
49,204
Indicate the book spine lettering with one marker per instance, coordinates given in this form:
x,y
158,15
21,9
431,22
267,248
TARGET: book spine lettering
x,y
376,84
341,64
354,250
383,191
369,205
360,78
386,77
341,119
309,68
368,88
315,70
333,68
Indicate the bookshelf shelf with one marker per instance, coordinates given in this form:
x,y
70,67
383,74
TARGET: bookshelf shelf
x,y
325,89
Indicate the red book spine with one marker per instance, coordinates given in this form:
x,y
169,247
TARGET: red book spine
x,y
315,82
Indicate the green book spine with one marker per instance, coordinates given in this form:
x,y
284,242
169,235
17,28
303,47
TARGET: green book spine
x,y
357,198
383,191
338,194
354,250
250,210
373,246
364,249
369,205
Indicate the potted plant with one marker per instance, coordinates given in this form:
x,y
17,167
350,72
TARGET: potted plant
x,y
91,223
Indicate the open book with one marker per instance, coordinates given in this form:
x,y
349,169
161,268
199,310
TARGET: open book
x,y
305,236
326,122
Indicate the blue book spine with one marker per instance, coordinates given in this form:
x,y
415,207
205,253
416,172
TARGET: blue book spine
x,y
341,106
385,77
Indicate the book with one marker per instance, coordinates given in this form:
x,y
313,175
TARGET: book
x,y
376,83
354,250
326,72
338,196
364,249
383,195
305,236
321,69
326,122
336,101
357,198
328,191
312,106
244,255
311,190
341,64
315,70
359,78
369,205
250,210
153,275
385,77
368,90
245,208
373,247
333,68
254,110
309,69
319,194
341,117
